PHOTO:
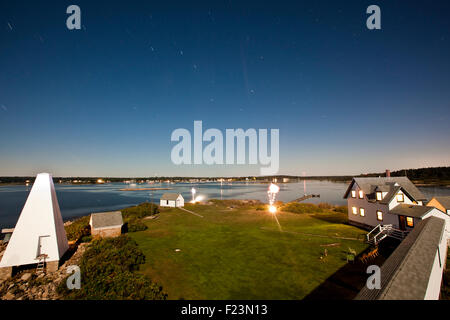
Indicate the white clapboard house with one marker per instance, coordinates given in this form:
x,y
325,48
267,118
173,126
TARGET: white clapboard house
x,y
39,236
171,200
394,207
387,201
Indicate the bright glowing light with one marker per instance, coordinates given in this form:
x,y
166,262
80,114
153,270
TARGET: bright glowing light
x,y
272,209
272,193
198,199
273,188
193,190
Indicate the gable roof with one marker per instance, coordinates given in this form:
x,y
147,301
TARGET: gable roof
x,y
106,219
411,210
40,218
371,185
406,273
444,201
170,196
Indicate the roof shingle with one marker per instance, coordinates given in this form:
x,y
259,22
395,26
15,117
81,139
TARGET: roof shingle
x,y
106,219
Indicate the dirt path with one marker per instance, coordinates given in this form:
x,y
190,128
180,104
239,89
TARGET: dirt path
x,y
191,212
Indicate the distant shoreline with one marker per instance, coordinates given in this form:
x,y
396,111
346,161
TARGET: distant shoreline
x,y
417,183
143,189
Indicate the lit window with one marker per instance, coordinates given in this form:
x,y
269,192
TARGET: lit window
x,y
400,197
379,196
353,193
379,215
410,222
354,210
362,212
361,194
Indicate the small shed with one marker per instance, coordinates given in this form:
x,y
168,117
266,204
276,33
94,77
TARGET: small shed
x,y
106,224
171,200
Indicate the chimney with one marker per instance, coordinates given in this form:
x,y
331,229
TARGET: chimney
x,y
388,173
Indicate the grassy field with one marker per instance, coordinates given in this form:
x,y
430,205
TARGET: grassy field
x,y
239,252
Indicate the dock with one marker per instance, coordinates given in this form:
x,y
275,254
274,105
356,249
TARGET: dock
x,y
306,196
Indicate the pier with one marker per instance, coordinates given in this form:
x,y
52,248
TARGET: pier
x,y
306,196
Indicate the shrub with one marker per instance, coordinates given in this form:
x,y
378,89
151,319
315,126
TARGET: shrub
x,y
108,271
341,209
325,206
78,229
296,207
132,216
140,211
86,239
135,225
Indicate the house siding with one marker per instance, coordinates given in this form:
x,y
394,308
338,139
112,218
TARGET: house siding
x,y
371,208
434,284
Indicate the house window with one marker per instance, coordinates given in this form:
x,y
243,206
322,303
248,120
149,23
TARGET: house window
x,y
410,222
400,197
353,193
362,212
379,215
379,196
354,210
361,194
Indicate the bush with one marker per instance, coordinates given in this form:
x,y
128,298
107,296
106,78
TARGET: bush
x,y
296,207
86,239
132,216
140,211
135,225
78,229
108,271
325,206
341,209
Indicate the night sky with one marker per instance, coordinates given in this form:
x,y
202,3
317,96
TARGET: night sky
x,y
104,100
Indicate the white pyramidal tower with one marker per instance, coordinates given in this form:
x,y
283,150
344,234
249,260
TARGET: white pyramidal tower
x,y
40,228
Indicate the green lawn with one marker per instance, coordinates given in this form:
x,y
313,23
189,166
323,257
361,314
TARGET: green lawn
x,y
241,254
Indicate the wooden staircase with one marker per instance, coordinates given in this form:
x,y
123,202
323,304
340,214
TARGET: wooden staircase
x,y
380,232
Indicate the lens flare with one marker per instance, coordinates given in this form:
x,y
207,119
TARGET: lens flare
x,y
273,188
272,209
198,199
